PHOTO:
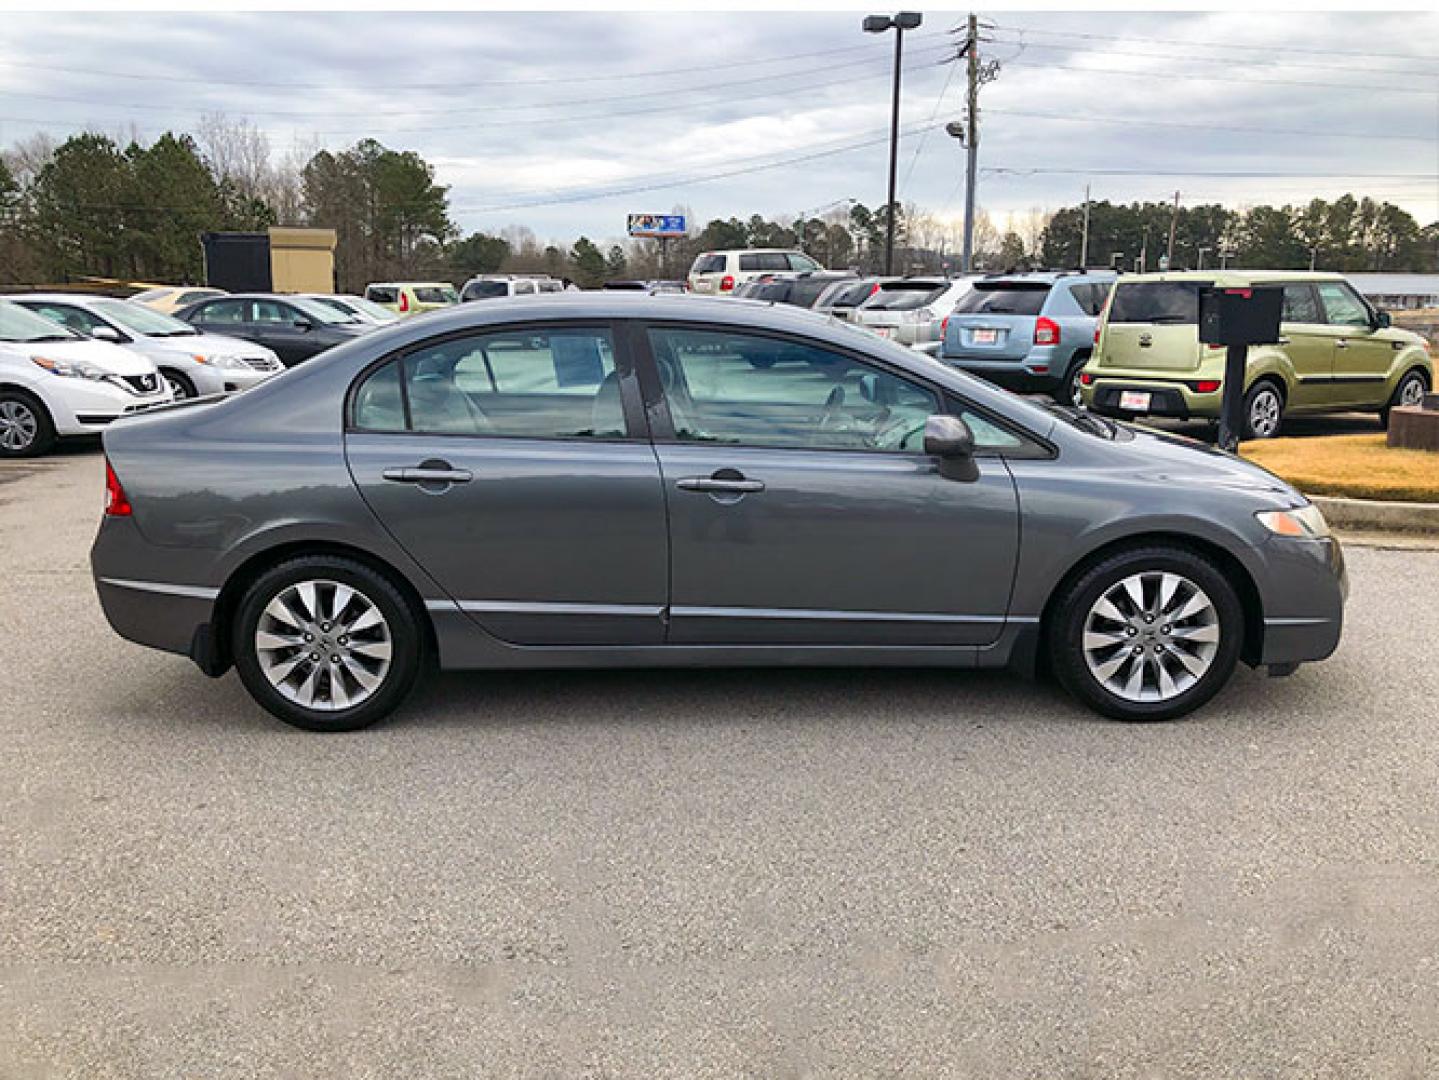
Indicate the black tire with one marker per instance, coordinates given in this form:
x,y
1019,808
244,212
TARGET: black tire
x,y
1403,386
406,640
25,425
1269,391
1068,390
1065,629
180,384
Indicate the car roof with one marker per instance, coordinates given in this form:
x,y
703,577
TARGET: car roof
x,y
1051,276
1233,277
58,297
409,284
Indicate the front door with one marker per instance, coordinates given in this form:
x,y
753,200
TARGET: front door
x,y
285,329
1362,357
802,510
1305,339
513,465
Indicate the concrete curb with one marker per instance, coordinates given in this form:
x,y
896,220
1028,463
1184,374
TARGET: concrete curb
x,y
1371,515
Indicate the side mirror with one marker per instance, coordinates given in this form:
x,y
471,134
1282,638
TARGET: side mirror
x,y
949,439
1382,321
107,333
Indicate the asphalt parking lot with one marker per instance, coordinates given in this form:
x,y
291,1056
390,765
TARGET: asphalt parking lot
x,y
694,874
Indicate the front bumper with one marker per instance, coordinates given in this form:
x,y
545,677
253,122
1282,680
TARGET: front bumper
x,y
1303,591
83,407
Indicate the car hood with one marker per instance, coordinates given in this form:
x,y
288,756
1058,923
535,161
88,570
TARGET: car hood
x,y
208,344
116,359
1174,459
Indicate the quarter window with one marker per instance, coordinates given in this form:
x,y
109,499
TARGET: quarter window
x,y
749,390
540,384
1342,306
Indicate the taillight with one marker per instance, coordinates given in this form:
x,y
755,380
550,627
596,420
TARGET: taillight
x,y
727,283
1206,386
1097,328
404,302
116,503
944,327
1086,379
1046,331
874,288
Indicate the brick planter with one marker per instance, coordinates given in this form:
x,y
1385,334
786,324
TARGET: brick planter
x,y
1415,427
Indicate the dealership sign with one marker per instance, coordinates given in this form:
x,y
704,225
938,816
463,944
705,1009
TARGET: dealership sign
x,y
660,225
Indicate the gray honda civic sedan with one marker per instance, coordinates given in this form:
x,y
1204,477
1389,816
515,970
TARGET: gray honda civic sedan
x,y
617,480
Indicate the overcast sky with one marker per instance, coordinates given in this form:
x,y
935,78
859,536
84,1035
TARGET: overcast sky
x,y
576,113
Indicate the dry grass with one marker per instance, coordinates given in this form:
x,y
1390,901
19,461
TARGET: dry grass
x,y
1350,466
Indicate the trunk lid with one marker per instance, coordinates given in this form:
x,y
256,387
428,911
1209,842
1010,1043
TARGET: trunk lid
x,y
1152,325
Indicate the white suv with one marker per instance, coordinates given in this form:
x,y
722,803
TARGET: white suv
x,y
720,273
56,382
911,310
498,286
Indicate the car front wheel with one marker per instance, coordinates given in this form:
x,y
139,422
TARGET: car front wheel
x,y
1146,634
1410,391
180,385
327,644
25,427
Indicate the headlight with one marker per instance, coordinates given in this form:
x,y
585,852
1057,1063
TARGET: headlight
x,y
71,369
226,363
1303,523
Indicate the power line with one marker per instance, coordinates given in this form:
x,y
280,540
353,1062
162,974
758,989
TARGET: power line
x,y
1190,42
769,80
1170,75
206,80
1131,121
1036,170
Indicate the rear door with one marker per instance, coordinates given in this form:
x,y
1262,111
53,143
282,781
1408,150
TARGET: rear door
x,y
802,509
1309,344
1362,357
514,465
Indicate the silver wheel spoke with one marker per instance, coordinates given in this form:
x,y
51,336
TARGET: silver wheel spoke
x,y
306,648
1154,654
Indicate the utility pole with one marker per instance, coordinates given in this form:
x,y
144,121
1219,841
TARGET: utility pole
x,y
971,167
1084,234
1173,224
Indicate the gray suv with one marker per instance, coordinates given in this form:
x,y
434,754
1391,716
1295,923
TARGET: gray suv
x,y
1028,332
618,480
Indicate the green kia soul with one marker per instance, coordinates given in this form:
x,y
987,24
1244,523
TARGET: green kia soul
x,y
1336,352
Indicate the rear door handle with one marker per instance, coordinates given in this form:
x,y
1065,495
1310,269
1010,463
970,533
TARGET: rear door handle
x,y
1341,344
428,476
709,483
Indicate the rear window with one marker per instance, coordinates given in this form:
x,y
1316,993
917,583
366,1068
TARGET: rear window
x,y
1005,298
382,294
435,294
851,295
904,296
805,293
764,260
1156,302
486,290
708,264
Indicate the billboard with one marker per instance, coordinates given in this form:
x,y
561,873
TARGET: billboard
x,y
660,225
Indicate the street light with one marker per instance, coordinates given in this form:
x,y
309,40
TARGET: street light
x,y
878,24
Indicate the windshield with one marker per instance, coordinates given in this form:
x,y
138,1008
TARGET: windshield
x,y
904,296
1009,298
486,290
322,313
1156,302
142,320
152,294
359,303
436,294
19,325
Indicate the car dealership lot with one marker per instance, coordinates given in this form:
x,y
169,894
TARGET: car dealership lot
x,y
707,873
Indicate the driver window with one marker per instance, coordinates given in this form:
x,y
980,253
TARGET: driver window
x,y
749,390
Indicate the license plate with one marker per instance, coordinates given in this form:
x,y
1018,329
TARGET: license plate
x,y
986,337
1137,400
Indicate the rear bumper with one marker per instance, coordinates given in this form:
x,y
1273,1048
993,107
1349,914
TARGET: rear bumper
x,y
1017,374
1167,397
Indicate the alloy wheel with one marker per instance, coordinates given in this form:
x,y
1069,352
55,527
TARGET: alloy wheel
x,y
1076,388
1264,413
1151,637
323,645
18,425
1412,392
178,389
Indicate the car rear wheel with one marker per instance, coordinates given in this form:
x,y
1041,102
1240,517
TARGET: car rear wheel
x,y
1071,390
1263,411
180,386
1147,634
25,426
327,644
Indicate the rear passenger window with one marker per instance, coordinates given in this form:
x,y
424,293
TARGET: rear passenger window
x,y
555,384
224,311
1091,298
1301,305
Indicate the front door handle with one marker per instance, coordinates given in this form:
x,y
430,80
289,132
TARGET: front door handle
x,y
1341,344
426,474
710,483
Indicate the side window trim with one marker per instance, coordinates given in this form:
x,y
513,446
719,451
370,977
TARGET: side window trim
x,y
636,421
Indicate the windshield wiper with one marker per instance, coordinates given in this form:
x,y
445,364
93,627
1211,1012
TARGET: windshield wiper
x,y
176,333
48,337
1086,420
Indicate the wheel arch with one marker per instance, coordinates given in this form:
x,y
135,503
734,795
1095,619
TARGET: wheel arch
x,y
216,653
9,386
1234,571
